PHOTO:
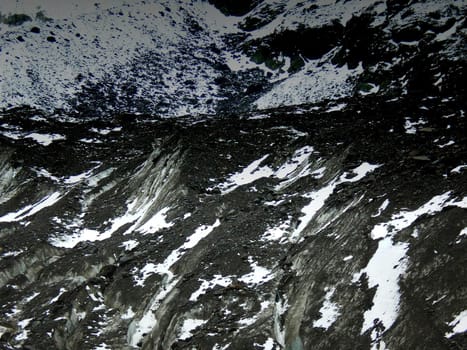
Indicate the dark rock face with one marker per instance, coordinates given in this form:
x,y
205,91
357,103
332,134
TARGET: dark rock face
x,y
296,229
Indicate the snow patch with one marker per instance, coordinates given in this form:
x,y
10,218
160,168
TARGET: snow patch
x,y
329,311
32,209
458,324
188,327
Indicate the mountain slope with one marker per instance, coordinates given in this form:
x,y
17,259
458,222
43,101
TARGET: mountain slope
x,y
183,57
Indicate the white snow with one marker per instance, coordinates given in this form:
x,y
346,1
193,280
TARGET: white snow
x,y
60,292
128,315
188,327
383,270
157,222
113,35
410,126
459,168
336,108
268,345
458,324
390,261
24,332
130,244
449,143
406,218
248,175
259,275
319,197
329,311
218,280
348,258
45,139
382,208
317,81
164,267
277,233
32,209
299,157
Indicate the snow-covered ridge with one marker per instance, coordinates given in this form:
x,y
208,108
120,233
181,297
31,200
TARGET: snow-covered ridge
x,y
172,57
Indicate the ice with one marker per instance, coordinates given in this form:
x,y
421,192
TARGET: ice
x,y
32,209
143,326
404,219
329,311
188,327
280,308
459,324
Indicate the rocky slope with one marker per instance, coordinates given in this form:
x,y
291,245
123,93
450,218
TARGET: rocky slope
x,y
311,194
